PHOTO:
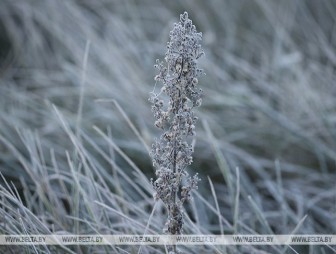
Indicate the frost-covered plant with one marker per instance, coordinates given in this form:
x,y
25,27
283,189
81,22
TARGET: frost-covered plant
x,y
172,108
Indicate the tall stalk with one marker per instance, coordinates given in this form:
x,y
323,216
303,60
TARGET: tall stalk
x,y
172,108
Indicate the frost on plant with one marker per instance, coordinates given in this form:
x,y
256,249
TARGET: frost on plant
x,y
172,108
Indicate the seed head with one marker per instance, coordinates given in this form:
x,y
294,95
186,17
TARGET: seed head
x,y
172,152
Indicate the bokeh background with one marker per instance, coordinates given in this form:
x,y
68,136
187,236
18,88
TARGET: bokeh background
x,y
75,78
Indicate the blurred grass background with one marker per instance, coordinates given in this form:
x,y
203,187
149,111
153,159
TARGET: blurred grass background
x,y
269,109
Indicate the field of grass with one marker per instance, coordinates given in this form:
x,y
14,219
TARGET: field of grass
x,y
76,125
